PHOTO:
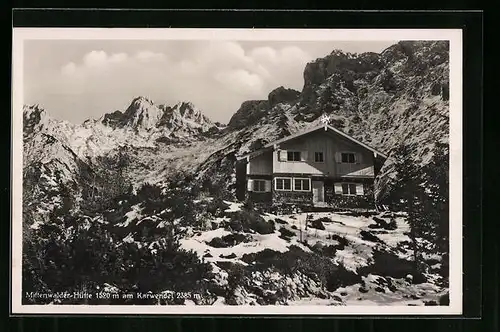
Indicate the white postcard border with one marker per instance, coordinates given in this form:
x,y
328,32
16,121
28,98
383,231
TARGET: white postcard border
x,y
454,36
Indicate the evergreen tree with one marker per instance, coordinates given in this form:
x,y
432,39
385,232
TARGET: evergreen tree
x,y
408,194
424,194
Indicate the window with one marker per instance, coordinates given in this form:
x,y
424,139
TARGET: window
x,y
293,156
318,157
284,184
348,189
301,184
348,157
259,185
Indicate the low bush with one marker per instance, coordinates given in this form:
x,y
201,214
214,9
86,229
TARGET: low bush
x,y
388,264
317,224
280,221
228,241
285,234
316,266
216,207
232,255
325,219
368,236
343,242
392,225
381,223
250,220
366,214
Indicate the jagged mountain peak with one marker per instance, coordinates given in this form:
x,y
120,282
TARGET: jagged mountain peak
x,y
141,102
34,118
33,112
142,113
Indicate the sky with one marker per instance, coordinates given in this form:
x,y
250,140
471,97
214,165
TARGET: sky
x,y
75,80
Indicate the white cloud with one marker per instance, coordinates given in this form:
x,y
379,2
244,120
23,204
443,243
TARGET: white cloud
x,y
264,54
95,58
220,75
240,80
188,67
69,68
150,56
118,57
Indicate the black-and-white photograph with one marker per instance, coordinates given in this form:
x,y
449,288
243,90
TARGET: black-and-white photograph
x,y
244,171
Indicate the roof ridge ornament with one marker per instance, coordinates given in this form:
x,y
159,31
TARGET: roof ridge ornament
x,y
325,119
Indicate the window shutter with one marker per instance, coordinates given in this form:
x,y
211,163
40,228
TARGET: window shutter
x,y
338,188
282,155
337,157
358,158
359,189
268,185
303,156
250,185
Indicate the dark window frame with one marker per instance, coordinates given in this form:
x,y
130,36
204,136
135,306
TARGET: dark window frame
x,y
282,180
316,159
350,157
293,156
349,189
302,181
261,187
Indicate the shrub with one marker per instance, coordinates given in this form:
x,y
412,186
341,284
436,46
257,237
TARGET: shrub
x,y
286,233
368,236
250,220
392,224
313,265
325,219
381,223
264,255
216,207
387,264
235,277
227,241
232,255
280,221
341,240
329,251
148,192
317,224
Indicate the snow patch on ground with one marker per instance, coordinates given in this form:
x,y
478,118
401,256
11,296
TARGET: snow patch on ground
x,y
132,215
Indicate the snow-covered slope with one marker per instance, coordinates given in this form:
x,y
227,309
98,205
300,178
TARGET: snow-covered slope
x,y
297,259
